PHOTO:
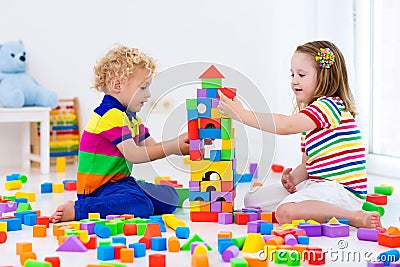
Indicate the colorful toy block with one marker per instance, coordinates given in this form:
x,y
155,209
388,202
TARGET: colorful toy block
x,y
368,206
367,234
194,238
182,232
72,244
13,185
57,188
3,237
126,255
388,240
335,230
158,243
105,253
384,190
61,164
54,261
312,230
46,187
3,226
94,216
25,256
157,260
139,249
378,199
39,231
199,260
102,231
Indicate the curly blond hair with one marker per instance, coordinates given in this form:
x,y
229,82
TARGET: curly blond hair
x,y
120,63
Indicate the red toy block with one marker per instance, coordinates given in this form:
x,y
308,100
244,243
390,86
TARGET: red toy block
x,y
130,229
172,183
387,240
193,129
228,92
3,237
157,260
316,258
377,199
241,218
70,186
203,216
277,168
117,251
152,229
43,220
54,261
146,241
92,243
214,123
196,154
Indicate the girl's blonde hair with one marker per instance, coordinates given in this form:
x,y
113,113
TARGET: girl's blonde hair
x,y
331,81
120,63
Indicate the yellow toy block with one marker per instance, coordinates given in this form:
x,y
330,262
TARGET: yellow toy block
x,y
254,243
3,226
31,196
157,179
39,230
312,222
200,249
58,188
214,185
198,168
194,205
94,216
216,114
171,221
22,247
126,255
205,206
228,144
333,220
13,185
83,235
297,222
61,164
75,225
287,226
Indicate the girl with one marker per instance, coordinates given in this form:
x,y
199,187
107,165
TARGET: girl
x,y
331,181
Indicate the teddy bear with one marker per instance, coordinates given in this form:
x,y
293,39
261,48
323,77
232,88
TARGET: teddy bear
x,y
17,88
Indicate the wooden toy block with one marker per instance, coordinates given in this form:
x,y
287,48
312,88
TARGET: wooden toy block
x,y
206,186
377,199
94,216
39,231
24,256
199,260
387,240
173,244
13,185
126,255
202,216
61,164
22,247
193,129
58,188
157,179
54,261
225,234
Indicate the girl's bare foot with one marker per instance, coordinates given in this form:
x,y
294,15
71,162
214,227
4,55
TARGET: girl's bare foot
x,y
64,212
367,219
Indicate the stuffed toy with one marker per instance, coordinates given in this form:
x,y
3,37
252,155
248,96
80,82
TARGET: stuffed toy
x,y
17,88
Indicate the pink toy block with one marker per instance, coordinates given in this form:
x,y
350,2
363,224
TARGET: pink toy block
x,y
225,218
72,244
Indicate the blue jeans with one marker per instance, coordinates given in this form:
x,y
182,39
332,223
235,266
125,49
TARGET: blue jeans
x,y
128,196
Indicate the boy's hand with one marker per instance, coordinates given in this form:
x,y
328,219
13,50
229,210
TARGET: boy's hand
x,y
230,108
287,181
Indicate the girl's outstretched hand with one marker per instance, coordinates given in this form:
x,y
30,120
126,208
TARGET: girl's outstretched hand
x,y
287,181
231,108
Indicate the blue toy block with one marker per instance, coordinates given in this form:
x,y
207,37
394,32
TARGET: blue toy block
x,y
224,243
303,240
203,196
266,228
102,231
210,133
158,219
212,92
215,155
182,232
21,200
192,114
243,178
21,215
204,107
13,224
30,219
158,243
105,253
139,249
46,188
12,177
119,240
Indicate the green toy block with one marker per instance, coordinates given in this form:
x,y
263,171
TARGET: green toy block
x,y
35,263
239,241
368,206
239,262
183,195
191,104
226,128
141,228
211,83
23,178
193,238
281,256
383,190
227,154
294,258
106,242
11,198
71,232
113,228
113,264
24,207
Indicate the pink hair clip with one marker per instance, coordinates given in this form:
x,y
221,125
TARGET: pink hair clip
x,y
325,58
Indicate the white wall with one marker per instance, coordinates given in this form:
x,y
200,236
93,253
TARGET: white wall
x,y
256,38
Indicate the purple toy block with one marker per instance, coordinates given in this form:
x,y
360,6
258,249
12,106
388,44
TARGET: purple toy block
x,y
196,144
253,168
252,216
216,206
89,226
229,253
194,186
394,264
201,93
225,218
335,230
218,196
112,217
290,240
9,206
367,234
253,227
375,264
72,244
311,229
234,164
214,102
268,237
1,214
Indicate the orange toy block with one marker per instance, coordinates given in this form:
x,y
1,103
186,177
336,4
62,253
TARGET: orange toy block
x,y
225,234
152,229
174,244
387,240
22,247
226,206
24,256
266,216
392,230
126,255
39,230
200,260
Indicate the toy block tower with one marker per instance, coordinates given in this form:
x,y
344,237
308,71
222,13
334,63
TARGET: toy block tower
x,y
212,186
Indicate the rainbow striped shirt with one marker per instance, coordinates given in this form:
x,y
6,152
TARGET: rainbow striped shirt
x,y
100,161
335,148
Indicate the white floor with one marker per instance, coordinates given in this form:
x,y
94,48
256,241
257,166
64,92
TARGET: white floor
x,y
352,255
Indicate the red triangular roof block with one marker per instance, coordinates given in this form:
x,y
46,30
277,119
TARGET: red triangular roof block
x,y
211,72
72,244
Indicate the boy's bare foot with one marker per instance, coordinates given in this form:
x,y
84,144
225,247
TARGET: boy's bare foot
x,y
64,212
367,219
288,181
